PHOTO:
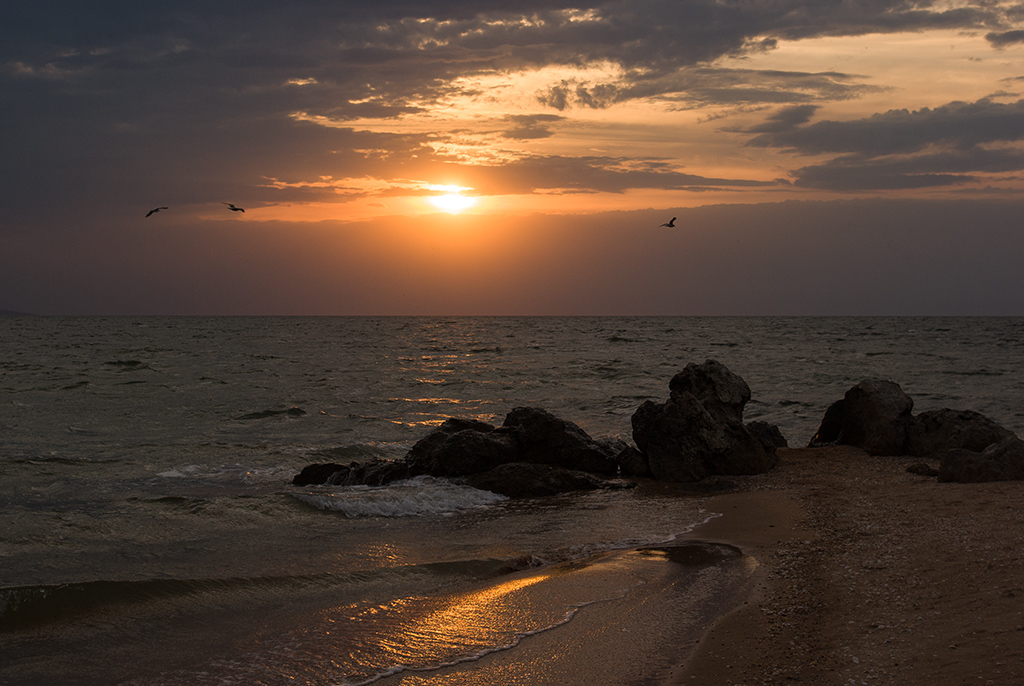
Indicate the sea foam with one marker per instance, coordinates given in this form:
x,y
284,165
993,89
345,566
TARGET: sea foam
x,y
423,495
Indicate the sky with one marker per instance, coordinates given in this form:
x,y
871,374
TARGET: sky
x,y
475,157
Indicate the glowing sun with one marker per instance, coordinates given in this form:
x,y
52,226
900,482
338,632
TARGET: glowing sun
x,y
452,203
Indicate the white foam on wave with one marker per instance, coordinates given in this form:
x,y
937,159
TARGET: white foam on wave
x,y
423,495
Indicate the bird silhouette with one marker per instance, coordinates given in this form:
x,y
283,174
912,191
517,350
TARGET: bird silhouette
x,y
155,210
671,223
232,207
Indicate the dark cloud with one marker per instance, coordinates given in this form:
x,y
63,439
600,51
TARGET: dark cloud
x,y
900,149
1004,38
958,124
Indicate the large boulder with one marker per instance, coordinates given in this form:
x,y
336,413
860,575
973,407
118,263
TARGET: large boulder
x,y
936,431
459,447
544,438
699,431
528,480
877,417
1002,461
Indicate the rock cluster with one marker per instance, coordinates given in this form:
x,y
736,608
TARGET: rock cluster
x,y
877,416
698,432
532,453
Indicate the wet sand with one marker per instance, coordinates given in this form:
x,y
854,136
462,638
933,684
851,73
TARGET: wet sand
x,y
847,570
889,577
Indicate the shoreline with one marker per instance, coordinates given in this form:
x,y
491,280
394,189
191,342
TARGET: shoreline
x,y
887,577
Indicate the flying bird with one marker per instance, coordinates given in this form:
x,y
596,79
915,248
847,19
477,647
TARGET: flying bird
x,y
232,207
671,223
155,210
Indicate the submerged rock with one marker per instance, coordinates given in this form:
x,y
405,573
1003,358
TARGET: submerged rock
x,y
699,430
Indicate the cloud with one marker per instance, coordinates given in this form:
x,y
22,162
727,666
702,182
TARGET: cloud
x,y
958,124
530,126
1004,38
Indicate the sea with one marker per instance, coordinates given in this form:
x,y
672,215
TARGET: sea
x,y
150,533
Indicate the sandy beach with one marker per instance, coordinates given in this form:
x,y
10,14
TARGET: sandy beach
x,y
848,570
869,575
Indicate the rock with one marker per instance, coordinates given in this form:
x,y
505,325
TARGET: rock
x,y
460,447
1002,461
320,473
543,438
876,416
937,431
922,469
720,391
530,480
830,428
376,473
699,431
873,415
632,462
769,434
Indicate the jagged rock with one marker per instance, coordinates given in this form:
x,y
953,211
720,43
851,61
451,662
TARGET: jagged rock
x,y
830,428
531,480
376,473
460,447
320,473
876,416
1002,461
632,462
935,431
768,434
699,431
544,438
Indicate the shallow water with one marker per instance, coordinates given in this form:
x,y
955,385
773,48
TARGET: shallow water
x,y
145,468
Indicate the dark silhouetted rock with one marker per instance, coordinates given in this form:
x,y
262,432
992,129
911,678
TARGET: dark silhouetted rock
x,y
923,469
699,431
830,428
376,473
544,438
768,434
530,480
936,431
632,462
720,391
320,473
459,448
876,416
1002,461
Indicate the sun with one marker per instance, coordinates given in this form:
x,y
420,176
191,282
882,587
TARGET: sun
x,y
452,203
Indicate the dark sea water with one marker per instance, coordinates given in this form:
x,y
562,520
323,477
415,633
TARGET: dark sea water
x,y
149,533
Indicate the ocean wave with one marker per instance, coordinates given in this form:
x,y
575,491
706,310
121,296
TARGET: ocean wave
x,y
423,495
27,607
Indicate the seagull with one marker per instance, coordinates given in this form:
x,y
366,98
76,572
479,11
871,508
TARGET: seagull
x,y
155,210
232,207
671,223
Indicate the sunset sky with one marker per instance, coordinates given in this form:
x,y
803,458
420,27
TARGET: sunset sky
x,y
482,157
